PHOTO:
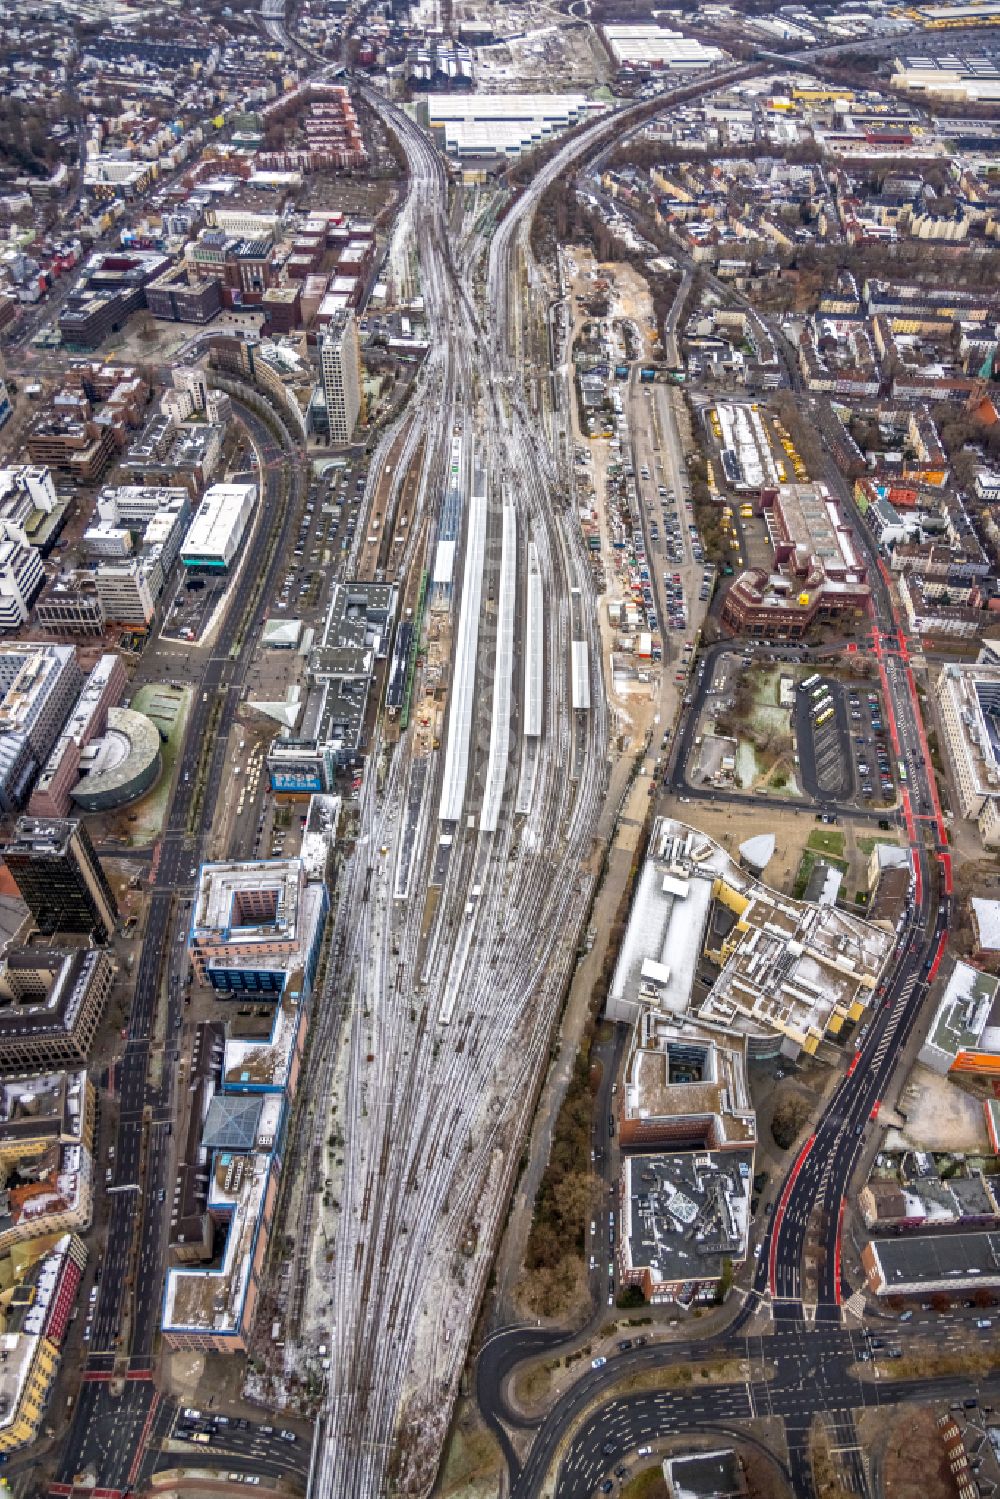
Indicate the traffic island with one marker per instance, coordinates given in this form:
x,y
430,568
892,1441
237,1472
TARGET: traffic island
x,y
761,1454
826,1460
191,1482
919,1363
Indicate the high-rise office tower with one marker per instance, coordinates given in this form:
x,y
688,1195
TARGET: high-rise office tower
x,y
57,871
340,373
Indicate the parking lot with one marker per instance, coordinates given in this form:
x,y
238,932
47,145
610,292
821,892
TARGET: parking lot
x,y
843,742
673,515
192,606
870,752
326,531
831,768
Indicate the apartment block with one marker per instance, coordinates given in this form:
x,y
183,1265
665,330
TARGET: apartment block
x,y
128,591
41,1283
22,577
46,1154
340,376
39,684
968,699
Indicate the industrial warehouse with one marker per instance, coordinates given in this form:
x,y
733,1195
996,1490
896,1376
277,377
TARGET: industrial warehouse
x,y
503,125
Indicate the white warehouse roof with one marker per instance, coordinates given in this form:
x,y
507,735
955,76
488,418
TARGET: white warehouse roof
x,y
657,47
504,124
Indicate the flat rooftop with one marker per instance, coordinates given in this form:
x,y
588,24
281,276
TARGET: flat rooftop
x,y
686,1213
961,1260
263,1063
706,1475
42,989
813,522
785,967
968,1016
972,695
220,516
251,900
669,918
355,637
211,1300
27,670
685,1071
36,1105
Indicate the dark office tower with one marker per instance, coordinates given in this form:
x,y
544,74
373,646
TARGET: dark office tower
x,y
60,877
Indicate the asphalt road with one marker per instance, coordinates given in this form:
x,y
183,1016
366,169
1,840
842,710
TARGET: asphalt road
x,y
795,1375
111,1432
810,1359
821,1176
675,778
796,1372
243,1450
105,1438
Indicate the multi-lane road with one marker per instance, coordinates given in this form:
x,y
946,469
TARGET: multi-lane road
x,y
795,1373
807,1217
819,1180
433,1115
127,1313
456,930
440,1009
809,1350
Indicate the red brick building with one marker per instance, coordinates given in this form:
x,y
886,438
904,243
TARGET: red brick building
x,y
818,569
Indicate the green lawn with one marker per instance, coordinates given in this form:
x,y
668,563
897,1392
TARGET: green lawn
x,y
648,1485
826,841
866,845
805,869
141,822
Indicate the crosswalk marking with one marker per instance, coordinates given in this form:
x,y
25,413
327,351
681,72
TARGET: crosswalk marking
x,y
854,1306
